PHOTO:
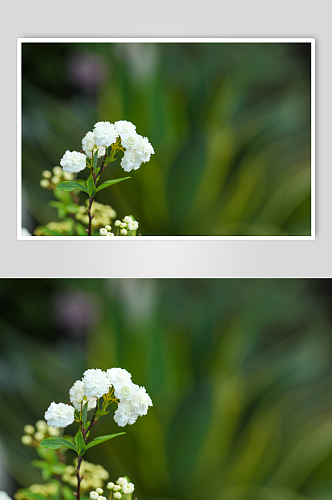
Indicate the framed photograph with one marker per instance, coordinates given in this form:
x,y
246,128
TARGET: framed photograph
x,y
172,138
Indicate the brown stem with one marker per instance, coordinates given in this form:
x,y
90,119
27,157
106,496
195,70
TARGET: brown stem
x,y
80,459
90,216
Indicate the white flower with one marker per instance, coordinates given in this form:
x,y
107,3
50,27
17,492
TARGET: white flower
x,y
123,231
73,162
99,490
131,160
128,219
110,486
59,415
117,494
122,481
141,401
123,224
105,134
118,377
108,227
125,414
95,383
126,391
144,149
4,496
88,144
103,231
128,488
133,225
94,495
110,234
100,497
117,223
131,140
117,487
76,395
124,128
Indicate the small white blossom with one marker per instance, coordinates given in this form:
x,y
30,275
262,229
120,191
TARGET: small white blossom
x,y
131,140
110,234
124,128
128,488
29,429
141,401
94,495
76,395
117,487
59,415
99,490
126,391
123,231
88,144
26,439
100,497
123,224
122,481
108,227
117,494
110,485
103,231
118,377
133,225
128,219
125,414
144,149
105,134
73,162
131,160
95,383
117,223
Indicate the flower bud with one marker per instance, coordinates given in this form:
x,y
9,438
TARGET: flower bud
x,y
108,227
123,231
47,174
29,429
68,176
53,431
94,495
39,436
110,485
55,180
26,439
117,494
41,426
117,223
122,481
103,231
123,224
57,171
117,487
110,234
99,490
44,183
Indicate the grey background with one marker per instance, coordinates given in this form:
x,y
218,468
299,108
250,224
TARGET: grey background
x,y
167,18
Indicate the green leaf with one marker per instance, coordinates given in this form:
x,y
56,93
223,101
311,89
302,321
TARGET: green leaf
x,y
55,443
110,183
85,412
101,439
71,186
91,186
80,444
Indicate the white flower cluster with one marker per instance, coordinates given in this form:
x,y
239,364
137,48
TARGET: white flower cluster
x,y
138,149
133,400
106,231
127,222
122,486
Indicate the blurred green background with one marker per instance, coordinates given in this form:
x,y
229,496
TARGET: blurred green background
x,y
239,372
229,122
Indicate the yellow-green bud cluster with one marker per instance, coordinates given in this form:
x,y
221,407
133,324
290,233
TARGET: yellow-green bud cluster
x,y
103,214
62,227
94,475
51,179
44,490
34,434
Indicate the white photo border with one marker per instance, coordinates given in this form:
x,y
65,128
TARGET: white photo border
x,y
20,41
